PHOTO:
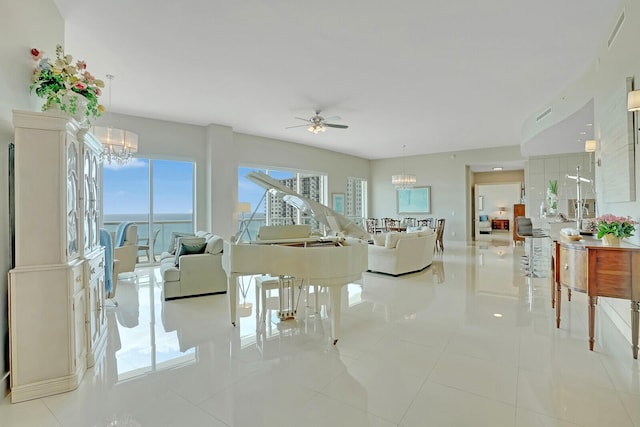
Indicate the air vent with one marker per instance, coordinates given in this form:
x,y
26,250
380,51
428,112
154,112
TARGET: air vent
x,y
544,114
616,29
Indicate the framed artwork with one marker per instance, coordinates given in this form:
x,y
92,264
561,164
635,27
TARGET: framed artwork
x,y
337,202
416,200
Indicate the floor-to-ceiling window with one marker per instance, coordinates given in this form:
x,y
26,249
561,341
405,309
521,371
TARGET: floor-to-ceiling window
x,y
356,200
156,195
270,209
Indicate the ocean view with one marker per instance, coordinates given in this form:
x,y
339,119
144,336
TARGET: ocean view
x,y
164,223
168,223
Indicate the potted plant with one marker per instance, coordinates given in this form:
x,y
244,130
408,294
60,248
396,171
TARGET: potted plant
x,y
612,228
65,86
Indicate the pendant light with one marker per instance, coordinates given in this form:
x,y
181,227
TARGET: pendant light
x,y
403,180
119,145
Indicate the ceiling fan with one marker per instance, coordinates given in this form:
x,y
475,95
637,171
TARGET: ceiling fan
x,y
318,123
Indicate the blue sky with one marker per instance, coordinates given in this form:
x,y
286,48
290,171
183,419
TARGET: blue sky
x,y
252,193
126,188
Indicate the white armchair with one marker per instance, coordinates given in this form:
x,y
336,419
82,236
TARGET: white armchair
x,y
484,224
126,247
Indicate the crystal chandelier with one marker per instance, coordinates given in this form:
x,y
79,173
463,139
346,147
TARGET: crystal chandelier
x,y
119,145
403,180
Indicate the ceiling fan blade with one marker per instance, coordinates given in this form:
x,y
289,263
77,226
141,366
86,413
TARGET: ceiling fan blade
x,y
300,118
331,125
328,119
297,126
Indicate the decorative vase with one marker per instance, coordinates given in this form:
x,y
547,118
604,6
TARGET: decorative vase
x,y
610,240
71,104
552,203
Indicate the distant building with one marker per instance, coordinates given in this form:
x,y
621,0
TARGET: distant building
x,y
354,198
282,213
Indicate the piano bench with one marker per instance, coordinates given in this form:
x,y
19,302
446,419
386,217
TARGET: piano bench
x,y
265,283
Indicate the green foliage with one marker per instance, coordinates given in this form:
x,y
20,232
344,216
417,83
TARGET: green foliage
x,y
54,80
617,225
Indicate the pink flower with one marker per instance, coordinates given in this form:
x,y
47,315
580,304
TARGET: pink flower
x,y
81,65
610,218
80,86
36,54
98,91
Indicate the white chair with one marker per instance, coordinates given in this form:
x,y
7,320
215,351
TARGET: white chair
x,y
145,245
125,247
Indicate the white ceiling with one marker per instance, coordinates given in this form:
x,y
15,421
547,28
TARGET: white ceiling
x,y
435,75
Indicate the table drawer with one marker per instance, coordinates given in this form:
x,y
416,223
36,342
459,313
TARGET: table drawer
x,y
573,268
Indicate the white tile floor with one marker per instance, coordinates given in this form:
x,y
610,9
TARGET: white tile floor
x,y
421,350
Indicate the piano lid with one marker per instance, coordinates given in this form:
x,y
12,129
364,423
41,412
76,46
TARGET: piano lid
x,y
331,219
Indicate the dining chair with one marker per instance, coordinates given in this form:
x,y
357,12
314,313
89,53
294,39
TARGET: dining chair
x,y
440,235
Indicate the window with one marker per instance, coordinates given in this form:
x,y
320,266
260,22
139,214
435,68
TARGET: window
x,y
155,194
270,209
356,200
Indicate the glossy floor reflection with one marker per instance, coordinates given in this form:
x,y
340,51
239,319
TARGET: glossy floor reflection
x,y
467,342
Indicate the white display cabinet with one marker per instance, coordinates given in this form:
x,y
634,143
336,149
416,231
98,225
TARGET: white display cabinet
x,y
57,324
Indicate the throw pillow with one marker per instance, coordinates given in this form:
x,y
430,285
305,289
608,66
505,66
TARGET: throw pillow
x,y
189,246
214,245
392,239
379,239
175,235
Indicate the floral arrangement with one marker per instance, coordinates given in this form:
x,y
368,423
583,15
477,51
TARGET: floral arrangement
x,y
54,80
619,226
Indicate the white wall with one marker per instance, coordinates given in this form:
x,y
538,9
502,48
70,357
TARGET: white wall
x,y
25,24
218,151
495,196
610,67
450,180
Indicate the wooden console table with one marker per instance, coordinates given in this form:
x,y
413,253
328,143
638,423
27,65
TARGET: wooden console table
x,y
500,224
608,271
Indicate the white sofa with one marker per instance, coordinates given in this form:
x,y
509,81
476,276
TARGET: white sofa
x,y
398,253
194,274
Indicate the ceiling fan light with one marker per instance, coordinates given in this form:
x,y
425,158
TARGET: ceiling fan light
x,y
316,127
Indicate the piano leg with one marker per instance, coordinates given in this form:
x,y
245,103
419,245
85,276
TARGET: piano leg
x,y
335,295
232,289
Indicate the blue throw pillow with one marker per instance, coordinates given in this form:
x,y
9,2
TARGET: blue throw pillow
x,y
190,246
173,243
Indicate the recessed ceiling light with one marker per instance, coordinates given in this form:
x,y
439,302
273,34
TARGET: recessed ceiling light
x,y
497,168
589,124
497,315
583,133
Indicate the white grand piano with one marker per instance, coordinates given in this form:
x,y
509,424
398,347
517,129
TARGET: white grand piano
x,y
333,260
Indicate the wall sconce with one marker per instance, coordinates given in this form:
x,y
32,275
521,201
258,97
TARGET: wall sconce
x,y
590,146
633,101
633,104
